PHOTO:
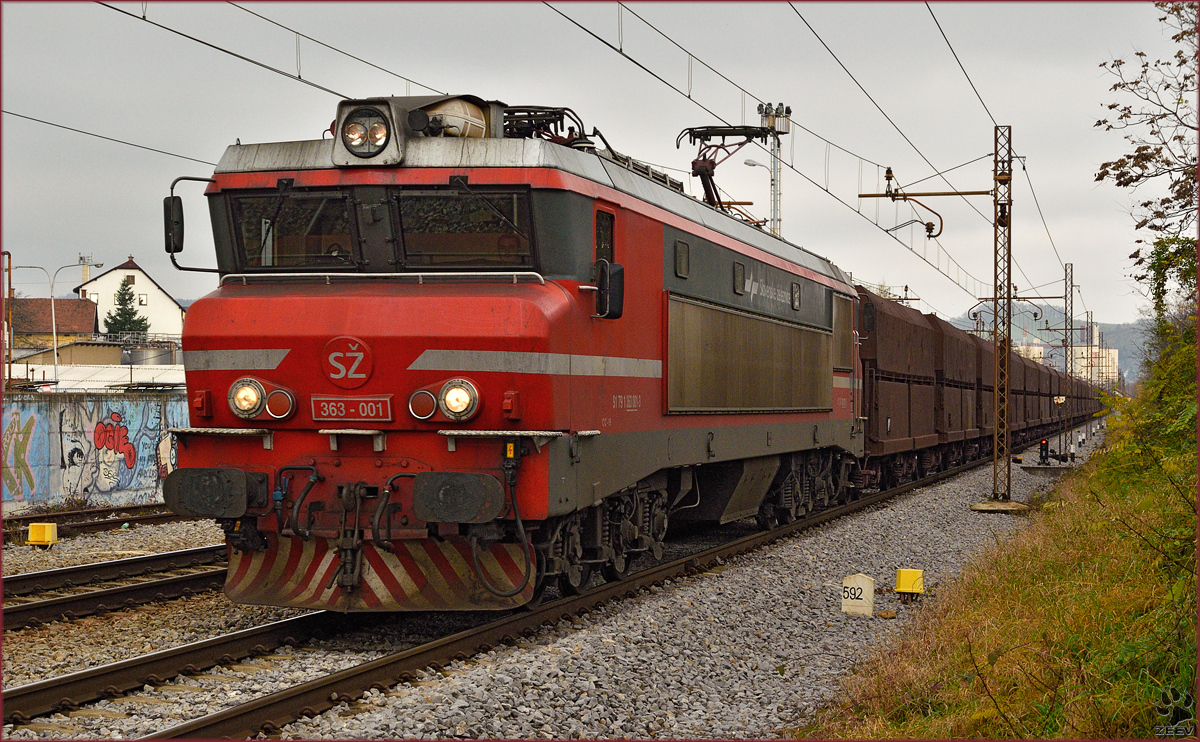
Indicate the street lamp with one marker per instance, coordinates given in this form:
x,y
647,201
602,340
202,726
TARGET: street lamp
x,y
775,226
53,318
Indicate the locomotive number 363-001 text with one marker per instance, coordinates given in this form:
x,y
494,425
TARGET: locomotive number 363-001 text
x,y
371,409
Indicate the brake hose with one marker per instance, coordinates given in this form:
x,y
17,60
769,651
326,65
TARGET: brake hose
x,y
512,489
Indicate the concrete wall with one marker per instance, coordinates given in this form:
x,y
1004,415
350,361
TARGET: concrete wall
x,y
113,448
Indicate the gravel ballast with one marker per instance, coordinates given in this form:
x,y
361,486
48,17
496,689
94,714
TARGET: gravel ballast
x,y
104,546
742,651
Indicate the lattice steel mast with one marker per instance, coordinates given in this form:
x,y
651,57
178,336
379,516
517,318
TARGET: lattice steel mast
x,y
1002,310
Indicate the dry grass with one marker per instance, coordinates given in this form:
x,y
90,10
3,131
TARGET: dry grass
x,y
1071,629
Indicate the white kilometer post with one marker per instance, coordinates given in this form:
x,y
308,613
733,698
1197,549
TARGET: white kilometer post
x,y
858,595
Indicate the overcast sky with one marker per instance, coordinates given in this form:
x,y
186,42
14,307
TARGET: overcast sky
x,y
1034,64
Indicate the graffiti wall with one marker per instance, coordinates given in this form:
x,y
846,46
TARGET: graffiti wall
x,y
112,448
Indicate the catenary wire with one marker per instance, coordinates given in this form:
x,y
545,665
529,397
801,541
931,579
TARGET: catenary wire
x,y
226,51
111,139
739,87
949,169
960,64
993,118
334,48
880,108
712,113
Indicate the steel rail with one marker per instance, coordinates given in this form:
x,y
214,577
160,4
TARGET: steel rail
x,y
270,712
86,574
113,598
107,524
61,516
65,692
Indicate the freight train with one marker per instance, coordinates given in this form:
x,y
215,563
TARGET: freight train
x,y
460,350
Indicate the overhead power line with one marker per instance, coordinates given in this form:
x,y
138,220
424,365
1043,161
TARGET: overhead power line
x,y
980,285
739,87
960,65
110,139
334,48
222,49
880,109
988,111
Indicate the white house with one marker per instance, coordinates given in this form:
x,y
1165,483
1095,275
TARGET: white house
x,y
150,300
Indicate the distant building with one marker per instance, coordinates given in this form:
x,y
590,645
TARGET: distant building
x,y
151,300
32,328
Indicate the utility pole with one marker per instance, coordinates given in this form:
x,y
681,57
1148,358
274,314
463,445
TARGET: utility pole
x,y
1001,299
1002,311
778,120
1068,340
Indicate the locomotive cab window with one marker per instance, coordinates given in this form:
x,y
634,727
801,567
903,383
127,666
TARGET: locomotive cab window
x,y
294,230
464,229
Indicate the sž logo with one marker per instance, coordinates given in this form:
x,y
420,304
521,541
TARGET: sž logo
x,y
347,362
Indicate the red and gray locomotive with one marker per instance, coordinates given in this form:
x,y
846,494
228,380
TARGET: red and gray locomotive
x,y
457,352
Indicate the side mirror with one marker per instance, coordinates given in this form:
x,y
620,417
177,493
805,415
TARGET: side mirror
x,y
173,223
610,285
868,317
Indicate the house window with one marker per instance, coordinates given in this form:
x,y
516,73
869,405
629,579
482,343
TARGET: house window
x,y
130,278
83,293
142,300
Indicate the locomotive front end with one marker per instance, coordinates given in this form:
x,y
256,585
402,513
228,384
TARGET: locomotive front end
x,y
358,427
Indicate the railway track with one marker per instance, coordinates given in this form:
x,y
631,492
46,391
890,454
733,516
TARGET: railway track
x,y
71,592
269,712
92,520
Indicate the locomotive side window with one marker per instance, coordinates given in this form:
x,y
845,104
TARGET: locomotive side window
x,y
604,236
454,229
294,230
683,258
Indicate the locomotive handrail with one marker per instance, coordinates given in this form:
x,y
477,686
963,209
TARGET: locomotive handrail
x,y
514,276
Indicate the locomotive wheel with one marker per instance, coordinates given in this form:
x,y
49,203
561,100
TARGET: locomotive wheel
x,y
574,584
787,515
767,518
619,569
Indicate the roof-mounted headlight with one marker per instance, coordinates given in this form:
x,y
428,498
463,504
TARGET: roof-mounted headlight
x,y
365,132
369,132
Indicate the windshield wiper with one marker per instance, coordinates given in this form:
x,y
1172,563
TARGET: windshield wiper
x,y
284,185
460,181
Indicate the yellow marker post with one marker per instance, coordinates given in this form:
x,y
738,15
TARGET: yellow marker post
x,y
910,583
44,535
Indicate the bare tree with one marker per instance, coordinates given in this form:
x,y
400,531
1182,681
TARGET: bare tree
x,y
1160,123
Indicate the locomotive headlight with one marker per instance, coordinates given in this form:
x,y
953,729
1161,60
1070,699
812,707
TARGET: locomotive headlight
x,y
458,399
365,132
246,398
355,134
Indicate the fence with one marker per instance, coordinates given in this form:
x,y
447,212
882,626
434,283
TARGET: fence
x,y
113,449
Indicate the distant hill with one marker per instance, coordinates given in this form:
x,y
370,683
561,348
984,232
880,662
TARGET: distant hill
x,y
1127,338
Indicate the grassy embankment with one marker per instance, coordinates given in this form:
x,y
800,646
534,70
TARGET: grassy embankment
x,y
1075,626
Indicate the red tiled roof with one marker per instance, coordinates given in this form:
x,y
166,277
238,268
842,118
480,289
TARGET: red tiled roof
x,y
32,316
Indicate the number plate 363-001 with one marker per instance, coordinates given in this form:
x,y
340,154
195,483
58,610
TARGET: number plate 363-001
x,y
352,409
